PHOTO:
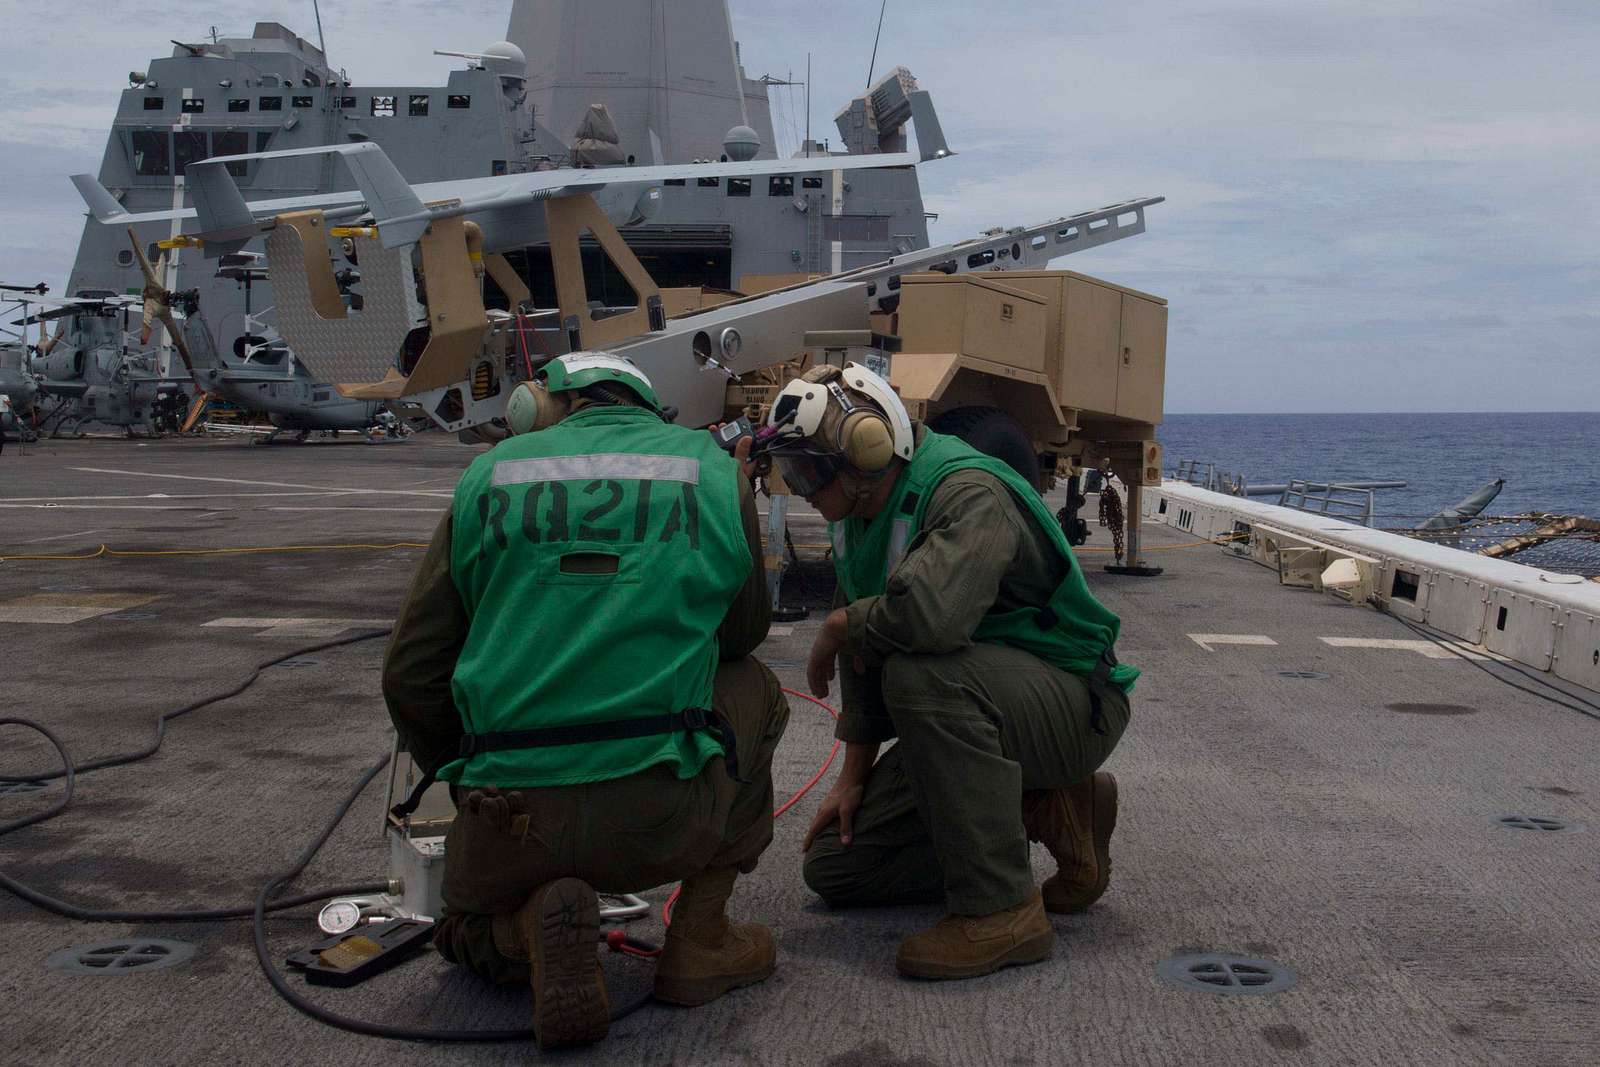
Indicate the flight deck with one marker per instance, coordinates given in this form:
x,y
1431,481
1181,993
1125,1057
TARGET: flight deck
x,y
1306,790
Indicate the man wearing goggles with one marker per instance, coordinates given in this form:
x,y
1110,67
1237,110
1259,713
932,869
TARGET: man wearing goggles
x,y
968,634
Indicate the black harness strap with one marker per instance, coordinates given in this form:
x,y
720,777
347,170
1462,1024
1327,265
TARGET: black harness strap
x,y
617,730
1099,682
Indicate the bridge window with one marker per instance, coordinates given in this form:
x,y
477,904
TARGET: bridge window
x,y
419,105
349,103
738,186
150,154
232,143
155,103
305,101
269,103
193,106
708,183
459,101
497,167
780,185
383,107
811,181
676,181
237,106
189,147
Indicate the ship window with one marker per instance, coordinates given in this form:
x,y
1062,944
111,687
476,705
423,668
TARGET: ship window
x,y
305,101
125,258
780,185
237,106
188,146
419,105
676,181
155,103
459,101
150,157
269,103
979,259
497,167
738,186
383,107
349,103
232,143
811,181
193,107
708,183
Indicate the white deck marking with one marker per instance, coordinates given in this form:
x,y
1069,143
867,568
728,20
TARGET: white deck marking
x,y
167,496
1423,648
58,537
376,509
780,631
1205,641
300,627
107,507
64,609
436,494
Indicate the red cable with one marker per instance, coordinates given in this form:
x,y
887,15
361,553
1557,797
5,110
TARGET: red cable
x,y
619,942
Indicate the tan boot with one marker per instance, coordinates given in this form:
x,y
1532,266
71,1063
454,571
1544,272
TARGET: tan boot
x,y
557,931
962,947
706,955
1075,825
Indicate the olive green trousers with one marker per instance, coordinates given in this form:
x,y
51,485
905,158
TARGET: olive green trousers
x,y
621,836
942,815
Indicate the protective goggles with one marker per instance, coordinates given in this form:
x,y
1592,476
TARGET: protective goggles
x,y
807,474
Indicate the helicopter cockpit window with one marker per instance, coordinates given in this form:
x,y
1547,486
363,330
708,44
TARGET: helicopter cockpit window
x,y
150,156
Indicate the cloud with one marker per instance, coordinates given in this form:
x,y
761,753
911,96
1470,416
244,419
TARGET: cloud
x,y
1363,198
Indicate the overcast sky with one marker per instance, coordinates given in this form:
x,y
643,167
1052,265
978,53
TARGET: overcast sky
x,y
1372,205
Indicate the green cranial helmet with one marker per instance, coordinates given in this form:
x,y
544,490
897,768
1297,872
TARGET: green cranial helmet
x,y
577,371
540,404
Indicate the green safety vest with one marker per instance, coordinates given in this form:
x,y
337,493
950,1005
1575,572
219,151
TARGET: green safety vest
x,y
1074,631
596,560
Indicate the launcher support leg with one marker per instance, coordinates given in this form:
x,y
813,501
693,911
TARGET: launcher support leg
x,y
774,560
1135,567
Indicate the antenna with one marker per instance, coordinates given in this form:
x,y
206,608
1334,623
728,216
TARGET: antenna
x,y
874,64
808,105
322,42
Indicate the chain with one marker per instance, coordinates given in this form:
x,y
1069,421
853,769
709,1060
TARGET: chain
x,y
1111,516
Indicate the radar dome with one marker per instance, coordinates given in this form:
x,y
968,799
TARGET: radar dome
x,y
742,143
506,60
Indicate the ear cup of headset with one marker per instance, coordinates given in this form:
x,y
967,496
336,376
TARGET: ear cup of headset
x,y
866,441
532,408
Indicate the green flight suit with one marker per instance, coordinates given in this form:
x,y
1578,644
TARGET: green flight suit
x,y
621,834
977,722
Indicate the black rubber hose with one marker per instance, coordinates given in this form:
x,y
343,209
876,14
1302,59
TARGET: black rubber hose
x,y
1583,707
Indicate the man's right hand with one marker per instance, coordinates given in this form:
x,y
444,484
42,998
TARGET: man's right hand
x,y
840,805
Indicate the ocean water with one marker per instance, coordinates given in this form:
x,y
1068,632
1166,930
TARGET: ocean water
x,y
1551,462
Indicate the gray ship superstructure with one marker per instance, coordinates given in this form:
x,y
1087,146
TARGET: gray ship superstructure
x,y
667,70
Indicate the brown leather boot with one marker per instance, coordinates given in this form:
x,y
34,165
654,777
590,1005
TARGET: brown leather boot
x,y
1075,825
963,947
706,955
557,931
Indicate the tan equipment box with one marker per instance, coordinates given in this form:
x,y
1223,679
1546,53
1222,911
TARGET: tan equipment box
x,y
974,315
1106,349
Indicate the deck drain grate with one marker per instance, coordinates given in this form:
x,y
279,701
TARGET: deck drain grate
x,y
1306,675
136,956
132,616
298,662
17,789
1536,822
1226,973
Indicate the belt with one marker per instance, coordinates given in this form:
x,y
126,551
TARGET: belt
x,y
691,721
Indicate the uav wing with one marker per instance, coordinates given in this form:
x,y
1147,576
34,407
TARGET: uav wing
x,y
402,211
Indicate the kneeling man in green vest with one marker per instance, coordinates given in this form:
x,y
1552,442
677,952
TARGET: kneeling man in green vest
x,y
963,628
574,659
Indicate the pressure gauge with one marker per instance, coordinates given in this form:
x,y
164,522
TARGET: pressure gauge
x,y
340,917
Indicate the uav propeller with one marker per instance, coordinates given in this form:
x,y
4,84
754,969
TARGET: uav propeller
x,y
158,303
